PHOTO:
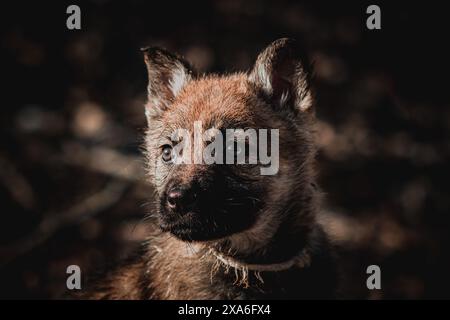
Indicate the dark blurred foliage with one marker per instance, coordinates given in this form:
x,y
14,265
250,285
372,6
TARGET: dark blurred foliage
x,y
72,189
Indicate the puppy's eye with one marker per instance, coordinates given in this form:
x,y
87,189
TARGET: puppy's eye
x,y
238,148
166,153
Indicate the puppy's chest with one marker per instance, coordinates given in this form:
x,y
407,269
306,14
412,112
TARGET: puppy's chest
x,y
180,274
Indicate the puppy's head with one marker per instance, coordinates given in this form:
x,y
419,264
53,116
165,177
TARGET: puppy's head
x,y
200,201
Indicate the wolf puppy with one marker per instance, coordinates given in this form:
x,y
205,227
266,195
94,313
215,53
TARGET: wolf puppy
x,y
226,231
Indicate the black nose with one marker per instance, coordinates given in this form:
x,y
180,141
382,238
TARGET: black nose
x,y
181,198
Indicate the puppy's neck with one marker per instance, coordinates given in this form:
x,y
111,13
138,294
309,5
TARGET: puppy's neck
x,y
278,245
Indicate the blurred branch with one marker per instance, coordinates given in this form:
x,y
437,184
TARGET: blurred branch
x,y
16,184
104,160
54,222
381,232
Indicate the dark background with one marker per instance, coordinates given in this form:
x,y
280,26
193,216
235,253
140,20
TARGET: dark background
x,y
72,189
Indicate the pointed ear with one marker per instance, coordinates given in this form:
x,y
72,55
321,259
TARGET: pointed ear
x,y
282,75
167,75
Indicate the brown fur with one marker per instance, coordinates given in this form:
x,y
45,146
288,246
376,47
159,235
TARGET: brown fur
x,y
275,94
